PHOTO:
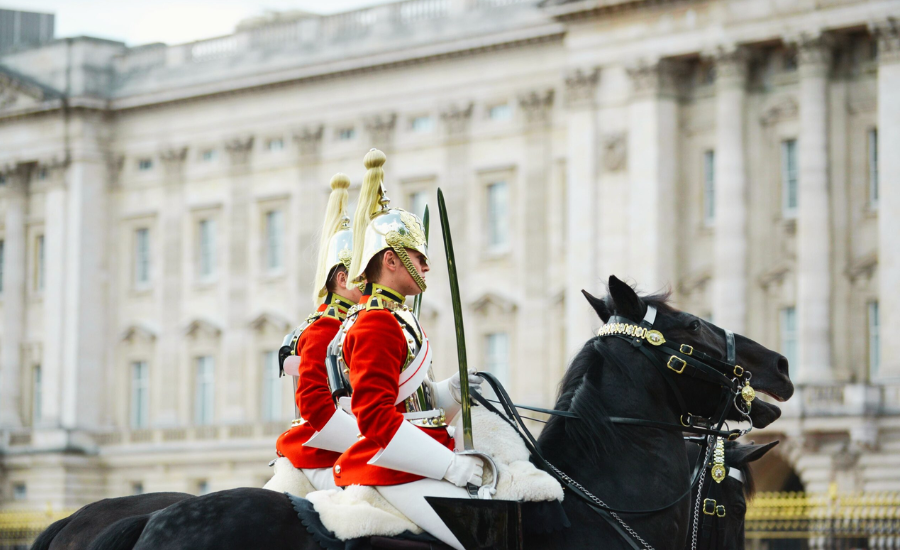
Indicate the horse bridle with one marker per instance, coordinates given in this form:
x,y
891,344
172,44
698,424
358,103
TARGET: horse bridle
x,y
680,359
712,510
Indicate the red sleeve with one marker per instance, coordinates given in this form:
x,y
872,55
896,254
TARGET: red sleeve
x,y
377,350
313,396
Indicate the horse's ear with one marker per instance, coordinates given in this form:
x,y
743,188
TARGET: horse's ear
x,y
626,300
599,305
745,454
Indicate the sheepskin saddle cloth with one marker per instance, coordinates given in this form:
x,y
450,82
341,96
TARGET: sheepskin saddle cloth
x,y
360,511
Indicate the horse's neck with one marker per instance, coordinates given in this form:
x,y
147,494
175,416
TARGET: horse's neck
x,y
645,468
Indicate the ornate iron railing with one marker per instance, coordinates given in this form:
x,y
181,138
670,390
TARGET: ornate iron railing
x,y
19,528
824,520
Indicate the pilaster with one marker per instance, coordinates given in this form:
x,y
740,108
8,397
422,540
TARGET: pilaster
x,y
888,35
581,188
14,277
813,213
729,290
313,187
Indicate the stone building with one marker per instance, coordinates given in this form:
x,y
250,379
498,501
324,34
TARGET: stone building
x,y
158,206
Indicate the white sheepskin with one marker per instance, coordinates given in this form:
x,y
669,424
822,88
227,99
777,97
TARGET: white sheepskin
x,y
288,479
519,478
359,511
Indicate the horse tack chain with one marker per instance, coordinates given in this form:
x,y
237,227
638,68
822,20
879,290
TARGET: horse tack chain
x,y
593,497
696,514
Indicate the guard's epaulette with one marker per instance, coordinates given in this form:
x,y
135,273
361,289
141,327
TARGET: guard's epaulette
x,y
313,316
376,303
331,313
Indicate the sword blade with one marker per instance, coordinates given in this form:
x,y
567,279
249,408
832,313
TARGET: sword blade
x,y
417,301
458,323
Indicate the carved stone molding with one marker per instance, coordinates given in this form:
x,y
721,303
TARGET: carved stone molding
x,y
537,106
731,66
115,162
653,79
173,159
615,151
457,118
887,33
53,169
309,140
814,53
381,129
581,87
15,176
783,108
239,149
12,90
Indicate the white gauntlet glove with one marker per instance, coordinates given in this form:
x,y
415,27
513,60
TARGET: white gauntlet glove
x,y
465,469
474,380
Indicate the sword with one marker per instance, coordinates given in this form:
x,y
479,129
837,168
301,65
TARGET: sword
x,y
468,445
417,301
458,323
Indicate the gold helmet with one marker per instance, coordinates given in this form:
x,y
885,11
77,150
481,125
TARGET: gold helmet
x,y
336,243
377,227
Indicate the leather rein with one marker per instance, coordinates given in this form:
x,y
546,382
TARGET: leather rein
x,y
683,359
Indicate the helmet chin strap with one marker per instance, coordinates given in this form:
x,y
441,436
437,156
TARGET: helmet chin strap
x,y
407,262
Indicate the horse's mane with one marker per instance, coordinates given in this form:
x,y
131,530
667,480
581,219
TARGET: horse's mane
x,y
749,483
579,392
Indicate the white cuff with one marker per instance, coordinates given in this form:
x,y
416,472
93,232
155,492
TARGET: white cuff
x,y
414,452
444,399
336,435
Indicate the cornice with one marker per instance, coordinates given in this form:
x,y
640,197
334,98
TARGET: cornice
x,y
400,57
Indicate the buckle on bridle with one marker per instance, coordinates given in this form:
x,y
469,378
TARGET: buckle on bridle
x,y
734,435
709,507
674,362
690,420
738,371
720,511
686,349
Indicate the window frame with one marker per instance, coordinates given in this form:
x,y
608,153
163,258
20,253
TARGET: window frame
x,y
272,394
709,187
277,234
873,339
142,258
490,356
790,177
503,107
139,412
872,183
37,395
204,390
789,343
207,259
40,255
494,228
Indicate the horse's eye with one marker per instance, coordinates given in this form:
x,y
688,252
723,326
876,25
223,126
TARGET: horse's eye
x,y
695,325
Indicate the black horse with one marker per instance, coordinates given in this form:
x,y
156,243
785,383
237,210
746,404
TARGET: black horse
x,y
727,532
629,467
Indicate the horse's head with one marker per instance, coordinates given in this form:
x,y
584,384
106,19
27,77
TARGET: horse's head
x,y
737,489
768,369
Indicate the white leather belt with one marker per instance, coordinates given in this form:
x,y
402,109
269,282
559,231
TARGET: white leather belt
x,y
411,378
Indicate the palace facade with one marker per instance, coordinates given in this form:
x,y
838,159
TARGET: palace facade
x,y
159,205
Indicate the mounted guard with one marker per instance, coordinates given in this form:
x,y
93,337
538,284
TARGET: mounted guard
x,y
320,432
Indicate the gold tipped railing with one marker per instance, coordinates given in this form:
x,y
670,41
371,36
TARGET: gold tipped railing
x,y
871,516
19,528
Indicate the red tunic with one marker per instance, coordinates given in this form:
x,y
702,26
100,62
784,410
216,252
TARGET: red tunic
x,y
375,350
313,396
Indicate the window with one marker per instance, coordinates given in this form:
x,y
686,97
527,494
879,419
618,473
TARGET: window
x,y
274,240
142,258
37,396
417,202
20,492
789,334
346,133
498,216
873,166
874,341
271,409
789,191
202,487
205,396
709,187
422,124
137,488
209,155
2,179
140,390
275,144
39,263
206,248
2,256
496,356
500,111
145,165
42,174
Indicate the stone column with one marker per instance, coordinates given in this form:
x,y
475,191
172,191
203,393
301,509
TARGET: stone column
x,y
581,189
14,276
55,252
309,209
174,240
535,250
652,170
237,307
888,33
813,215
729,284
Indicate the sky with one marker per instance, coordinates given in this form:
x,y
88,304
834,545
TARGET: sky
x,y
138,22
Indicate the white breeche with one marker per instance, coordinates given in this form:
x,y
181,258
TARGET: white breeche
x,y
409,498
321,478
